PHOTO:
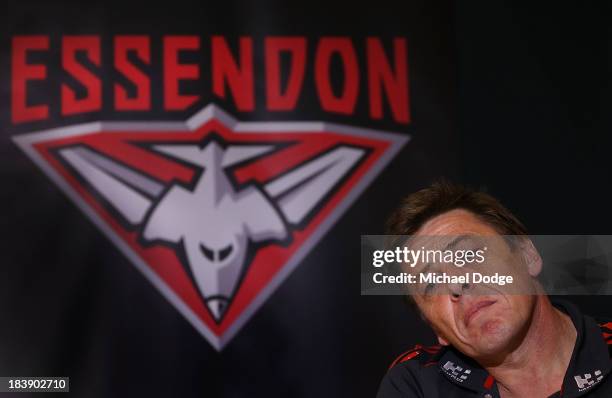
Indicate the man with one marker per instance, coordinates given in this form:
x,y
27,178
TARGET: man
x,y
498,344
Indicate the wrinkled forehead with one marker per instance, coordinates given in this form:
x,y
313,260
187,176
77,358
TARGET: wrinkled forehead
x,y
463,241
456,222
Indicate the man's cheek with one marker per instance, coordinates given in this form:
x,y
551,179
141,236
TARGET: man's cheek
x,y
443,328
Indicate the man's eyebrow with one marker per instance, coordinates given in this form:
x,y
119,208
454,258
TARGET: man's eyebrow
x,y
451,245
457,240
425,268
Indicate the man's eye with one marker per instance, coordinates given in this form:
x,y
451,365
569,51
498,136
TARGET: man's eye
x,y
429,288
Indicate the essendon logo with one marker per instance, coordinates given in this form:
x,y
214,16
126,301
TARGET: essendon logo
x,y
89,74
215,212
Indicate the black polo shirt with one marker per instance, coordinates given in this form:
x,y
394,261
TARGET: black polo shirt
x,y
444,372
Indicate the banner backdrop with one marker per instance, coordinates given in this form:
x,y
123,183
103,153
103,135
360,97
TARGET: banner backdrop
x,y
186,185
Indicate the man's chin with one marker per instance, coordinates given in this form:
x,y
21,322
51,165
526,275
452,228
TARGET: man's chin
x,y
489,336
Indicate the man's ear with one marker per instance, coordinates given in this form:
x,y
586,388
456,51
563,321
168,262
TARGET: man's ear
x,y
532,258
442,341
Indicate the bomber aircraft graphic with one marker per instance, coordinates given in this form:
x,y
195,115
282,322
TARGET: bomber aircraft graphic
x,y
215,212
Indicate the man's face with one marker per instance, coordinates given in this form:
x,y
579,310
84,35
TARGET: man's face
x,y
482,321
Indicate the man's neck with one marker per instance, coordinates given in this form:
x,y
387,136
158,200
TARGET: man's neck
x,y
536,368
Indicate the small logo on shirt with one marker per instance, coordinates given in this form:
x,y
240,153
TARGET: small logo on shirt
x,y
456,372
587,381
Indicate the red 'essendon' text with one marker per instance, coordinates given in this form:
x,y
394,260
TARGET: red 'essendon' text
x,y
231,71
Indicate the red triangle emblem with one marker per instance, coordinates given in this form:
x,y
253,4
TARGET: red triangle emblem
x,y
215,212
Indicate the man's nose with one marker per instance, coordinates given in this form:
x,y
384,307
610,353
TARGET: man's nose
x,y
458,289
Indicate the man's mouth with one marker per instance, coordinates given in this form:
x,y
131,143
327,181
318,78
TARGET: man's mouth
x,y
475,309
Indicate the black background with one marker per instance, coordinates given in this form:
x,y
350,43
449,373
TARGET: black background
x,y
511,98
